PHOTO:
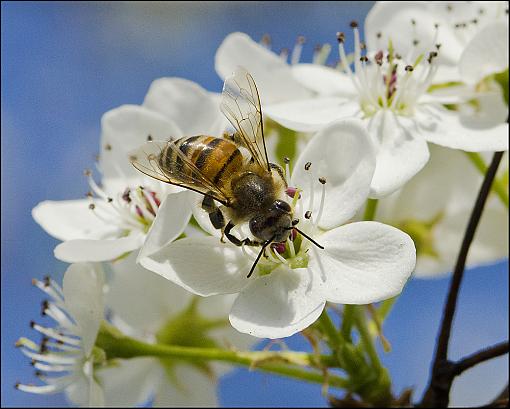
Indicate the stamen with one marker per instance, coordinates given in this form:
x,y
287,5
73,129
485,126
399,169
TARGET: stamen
x,y
284,54
266,41
296,52
321,205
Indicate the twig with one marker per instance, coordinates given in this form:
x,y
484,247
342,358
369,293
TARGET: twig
x,y
437,393
479,357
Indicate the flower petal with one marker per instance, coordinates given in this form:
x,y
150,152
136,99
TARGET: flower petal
x,y
344,154
486,53
171,220
192,388
272,75
124,129
69,219
202,265
279,304
83,295
162,300
364,262
324,80
195,110
458,131
313,114
129,382
78,251
401,154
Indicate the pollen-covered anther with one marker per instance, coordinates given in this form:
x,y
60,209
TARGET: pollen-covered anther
x,y
92,206
149,138
340,37
409,68
322,180
308,165
353,24
308,214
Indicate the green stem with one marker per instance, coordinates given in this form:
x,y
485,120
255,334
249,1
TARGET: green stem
x,y
335,339
497,185
385,308
366,339
370,209
118,345
347,321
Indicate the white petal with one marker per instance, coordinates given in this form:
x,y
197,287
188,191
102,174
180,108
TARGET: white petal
x,y
402,152
125,129
313,114
96,394
159,298
195,110
171,219
78,251
129,382
193,389
279,304
364,262
83,294
200,215
393,21
454,130
486,53
344,154
202,265
324,80
69,219
272,75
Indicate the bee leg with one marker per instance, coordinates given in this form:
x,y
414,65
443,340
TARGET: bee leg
x,y
234,239
215,213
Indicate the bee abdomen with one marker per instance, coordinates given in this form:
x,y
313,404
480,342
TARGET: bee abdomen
x,y
215,158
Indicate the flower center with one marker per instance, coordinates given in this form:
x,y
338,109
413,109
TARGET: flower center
x,y
131,209
387,80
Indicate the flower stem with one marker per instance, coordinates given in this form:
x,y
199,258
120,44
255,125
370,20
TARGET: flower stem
x,y
370,209
366,339
118,345
498,186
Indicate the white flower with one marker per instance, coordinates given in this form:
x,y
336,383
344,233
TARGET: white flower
x,y
117,219
434,209
386,91
150,308
65,358
360,263
473,37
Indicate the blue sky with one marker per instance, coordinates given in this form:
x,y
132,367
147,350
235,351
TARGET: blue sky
x,y
65,64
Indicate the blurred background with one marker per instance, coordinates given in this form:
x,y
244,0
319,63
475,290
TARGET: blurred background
x,y
65,64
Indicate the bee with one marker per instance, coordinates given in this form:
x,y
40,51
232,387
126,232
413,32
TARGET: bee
x,y
233,170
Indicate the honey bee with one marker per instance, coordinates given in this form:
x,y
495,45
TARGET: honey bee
x,y
233,170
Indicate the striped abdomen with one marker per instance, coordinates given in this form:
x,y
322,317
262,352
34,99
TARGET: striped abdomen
x,y
216,158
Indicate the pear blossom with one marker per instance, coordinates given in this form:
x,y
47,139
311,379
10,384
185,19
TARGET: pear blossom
x,y
472,35
117,214
167,314
387,91
357,263
434,209
64,361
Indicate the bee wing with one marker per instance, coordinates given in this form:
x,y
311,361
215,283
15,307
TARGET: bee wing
x,y
240,103
184,174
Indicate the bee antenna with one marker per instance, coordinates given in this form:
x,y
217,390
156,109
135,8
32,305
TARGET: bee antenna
x,y
260,255
309,238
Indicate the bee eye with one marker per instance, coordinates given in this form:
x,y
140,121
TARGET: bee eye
x,y
282,206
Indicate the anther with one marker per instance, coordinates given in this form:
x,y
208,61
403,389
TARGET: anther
x,y
286,160
340,37
32,324
109,199
132,158
409,68
363,58
47,281
92,206
398,56
354,24
438,46
307,165
379,35
108,147
415,42
436,25
413,21
295,221
308,214
89,194
474,21
149,138
322,180
362,46
34,281
300,40
266,40
379,57
44,306
16,385
87,172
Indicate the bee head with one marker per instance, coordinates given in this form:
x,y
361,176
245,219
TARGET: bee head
x,y
273,224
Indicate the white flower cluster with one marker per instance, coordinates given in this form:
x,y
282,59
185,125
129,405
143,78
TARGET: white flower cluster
x,y
424,77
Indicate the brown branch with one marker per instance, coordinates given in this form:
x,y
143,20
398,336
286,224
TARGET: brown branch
x,y
438,391
479,357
